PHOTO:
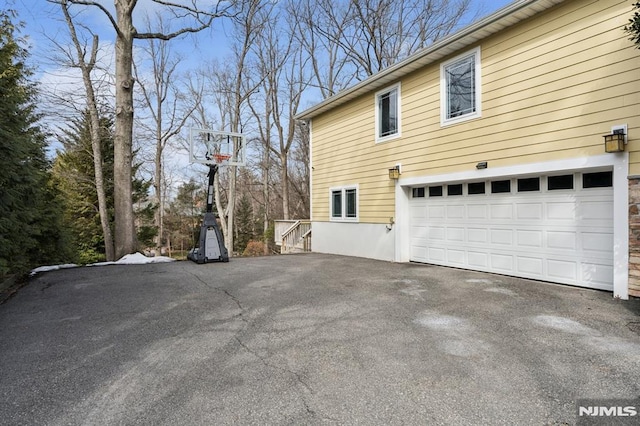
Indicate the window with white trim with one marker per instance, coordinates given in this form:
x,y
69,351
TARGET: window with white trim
x,y
460,88
344,203
388,113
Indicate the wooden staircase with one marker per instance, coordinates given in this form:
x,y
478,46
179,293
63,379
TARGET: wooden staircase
x,y
293,236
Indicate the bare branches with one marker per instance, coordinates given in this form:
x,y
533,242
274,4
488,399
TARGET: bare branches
x,y
203,18
106,12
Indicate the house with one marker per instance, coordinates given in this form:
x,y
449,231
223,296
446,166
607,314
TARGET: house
x,y
495,137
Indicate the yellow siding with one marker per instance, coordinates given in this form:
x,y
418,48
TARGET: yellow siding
x,y
551,87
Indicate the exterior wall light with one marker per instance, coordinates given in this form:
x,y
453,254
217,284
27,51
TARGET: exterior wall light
x,y
481,165
614,142
394,172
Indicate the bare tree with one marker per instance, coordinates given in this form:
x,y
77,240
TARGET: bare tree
x,y
322,25
283,77
126,33
350,40
162,99
86,67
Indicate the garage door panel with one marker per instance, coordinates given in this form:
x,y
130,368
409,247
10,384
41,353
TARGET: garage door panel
x,y
419,253
477,211
563,240
595,210
565,270
597,273
455,234
477,235
501,211
455,212
533,266
529,238
529,211
436,254
502,262
477,259
456,257
562,236
436,212
502,237
436,233
565,211
598,242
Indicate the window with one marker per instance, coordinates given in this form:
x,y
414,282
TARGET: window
x,y
460,88
417,192
454,189
435,191
388,114
344,203
500,186
529,184
597,180
476,188
559,182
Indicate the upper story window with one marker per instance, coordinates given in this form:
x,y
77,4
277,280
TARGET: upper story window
x,y
460,88
344,203
388,113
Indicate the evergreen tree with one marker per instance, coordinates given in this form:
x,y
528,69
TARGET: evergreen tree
x,y
73,169
633,27
245,224
31,226
184,215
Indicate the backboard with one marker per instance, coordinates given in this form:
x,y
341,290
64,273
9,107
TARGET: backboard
x,y
213,147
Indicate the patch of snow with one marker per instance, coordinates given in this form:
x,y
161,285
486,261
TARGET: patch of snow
x,y
129,259
51,268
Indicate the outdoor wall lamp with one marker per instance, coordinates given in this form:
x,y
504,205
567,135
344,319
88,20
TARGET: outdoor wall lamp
x,y
614,142
481,165
394,172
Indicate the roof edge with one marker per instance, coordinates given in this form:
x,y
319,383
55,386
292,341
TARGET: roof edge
x,y
459,36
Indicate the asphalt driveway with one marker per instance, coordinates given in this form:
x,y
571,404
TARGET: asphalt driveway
x,y
309,339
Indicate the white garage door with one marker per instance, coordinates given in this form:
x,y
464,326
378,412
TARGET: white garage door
x,y
551,228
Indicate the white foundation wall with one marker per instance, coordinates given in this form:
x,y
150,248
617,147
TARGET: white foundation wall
x,y
370,240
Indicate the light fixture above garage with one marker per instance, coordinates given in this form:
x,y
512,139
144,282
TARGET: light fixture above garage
x,y
617,139
614,142
394,172
481,165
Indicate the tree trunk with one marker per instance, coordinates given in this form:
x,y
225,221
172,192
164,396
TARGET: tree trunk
x,y
99,177
94,119
158,184
284,173
125,233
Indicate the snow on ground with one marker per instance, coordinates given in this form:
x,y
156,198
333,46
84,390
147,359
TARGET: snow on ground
x,y
129,259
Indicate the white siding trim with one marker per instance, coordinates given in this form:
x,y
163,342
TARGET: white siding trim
x,y
310,130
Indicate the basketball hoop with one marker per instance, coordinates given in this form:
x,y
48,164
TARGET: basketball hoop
x,y
221,148
219,158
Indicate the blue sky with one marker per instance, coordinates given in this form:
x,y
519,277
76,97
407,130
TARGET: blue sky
x,y
43,22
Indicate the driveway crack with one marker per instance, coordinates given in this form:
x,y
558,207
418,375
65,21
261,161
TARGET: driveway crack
x,y
226,292
298,377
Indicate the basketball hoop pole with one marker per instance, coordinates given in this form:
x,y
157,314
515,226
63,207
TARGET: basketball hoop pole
x,y
213,168
211,242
